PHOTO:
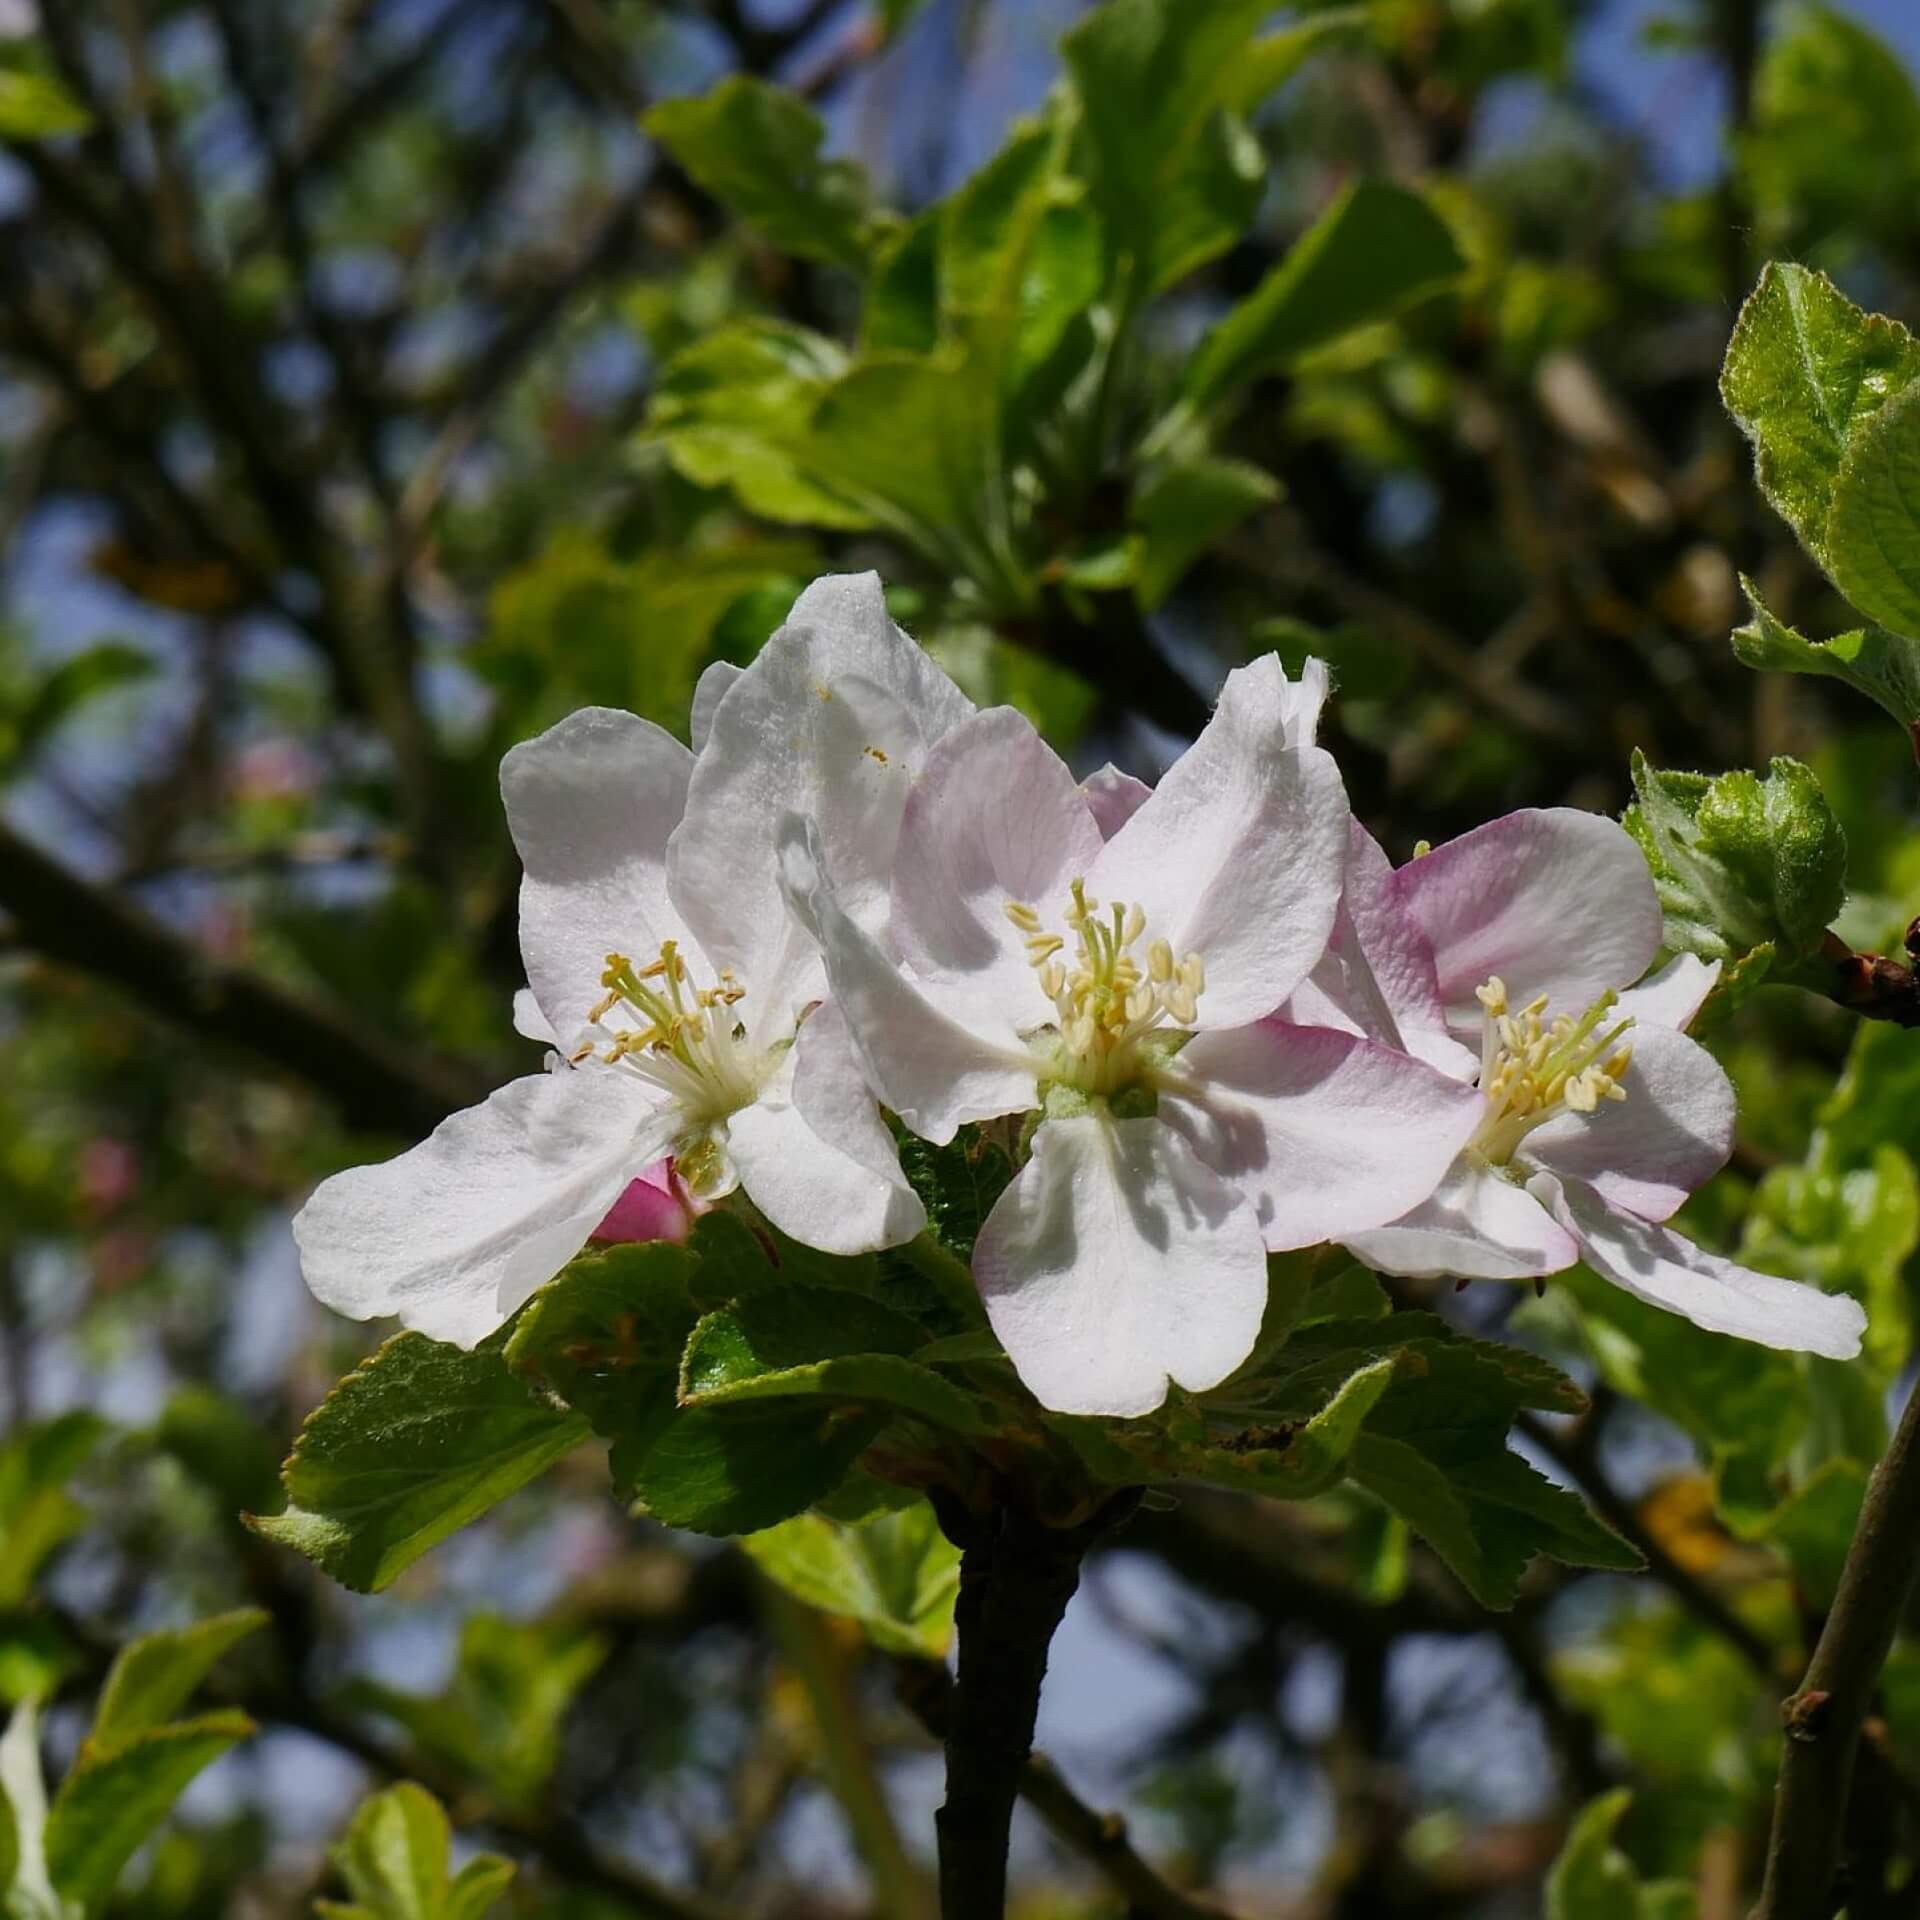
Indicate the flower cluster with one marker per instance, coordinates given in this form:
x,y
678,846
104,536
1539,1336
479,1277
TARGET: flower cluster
x,y
1211,1018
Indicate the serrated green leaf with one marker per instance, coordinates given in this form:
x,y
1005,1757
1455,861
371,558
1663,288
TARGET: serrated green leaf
x,y
116,1796
418,1440
1873,525
958,1184
152,1677
756,147
1804,371
1739,861
1884,666
1373,252
1181,508
897,1574
394,1858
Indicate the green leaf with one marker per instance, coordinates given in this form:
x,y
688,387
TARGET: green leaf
x,y
418,1440
1593,1880
36,1511
756,147
1740,861
117,1795
34,105
1804,371
394,1859
1884,666
733,410
153,1676
1180,509
1162,86
958,1184
1873,526
1365,665
1373,252
897,1574
1814,1527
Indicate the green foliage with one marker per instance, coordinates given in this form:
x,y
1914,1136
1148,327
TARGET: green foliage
x,y
1884,666
156,1675
757,148
1740,861
1593,1880
418,1440
36,1511
895,1573
395,1861
35,104
1183,508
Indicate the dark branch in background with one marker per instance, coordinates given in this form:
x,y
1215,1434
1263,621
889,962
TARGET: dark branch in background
x,y
377,1083
1824,1720
1867,983
1100,1838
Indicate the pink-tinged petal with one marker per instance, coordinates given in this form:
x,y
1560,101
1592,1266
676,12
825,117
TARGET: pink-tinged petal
x,y
994,817
1113,798
1671,997
812,1190
715,682
1477,1226
939,1056
591,804
1326,1133
1377,976
1658,1266
653,1207
832,721
1116,1262
834,1099
1240,853
1549,900
1671,1133
454,1235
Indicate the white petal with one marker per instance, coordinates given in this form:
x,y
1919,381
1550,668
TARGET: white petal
x,y
1656,1265
1477,1225
1550,900
847,629
1116,1262
591,804
995,817
835,1100
1326,1133
938,1057
1671,997
1377,976
712,687
529,1022
1240,853
454,1235
1113,797
1647,1152
1306,697
808,1187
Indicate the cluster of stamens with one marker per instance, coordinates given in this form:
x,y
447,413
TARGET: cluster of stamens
x,y
686,1040
1533,1069
1106,999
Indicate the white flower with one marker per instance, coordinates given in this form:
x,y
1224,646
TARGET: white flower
x,y
1121,985
664,968
1505,957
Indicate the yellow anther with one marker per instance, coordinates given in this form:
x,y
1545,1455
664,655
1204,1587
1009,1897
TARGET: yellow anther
x,y
1493,996
1160,962
1134,926
1041,947
1421,848
1022,916
1534,1067
1053,979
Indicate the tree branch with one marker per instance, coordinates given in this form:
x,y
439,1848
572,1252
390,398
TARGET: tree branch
x,y
377,1084
1824,1719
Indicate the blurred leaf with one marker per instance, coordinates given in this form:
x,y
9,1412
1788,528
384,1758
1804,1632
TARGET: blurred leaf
x,y
1593,1880
225,1449
1376,249
1181,509
1873,525
1162,86
1814,1527
395,1860
418,1440
1884,666
1365,665
34,105
36,1511
1740,861
153,1677
897,1574
26,1893
1805,370
756,147
119,1792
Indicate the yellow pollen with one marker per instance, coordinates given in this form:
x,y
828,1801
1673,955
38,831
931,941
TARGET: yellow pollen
x,y
1106,997
674,1039
1532,1068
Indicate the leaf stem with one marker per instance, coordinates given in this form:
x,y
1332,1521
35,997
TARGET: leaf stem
x,y
1824,1718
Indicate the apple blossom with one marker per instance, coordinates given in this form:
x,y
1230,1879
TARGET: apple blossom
x,y
1505,957
678,994
1120,986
